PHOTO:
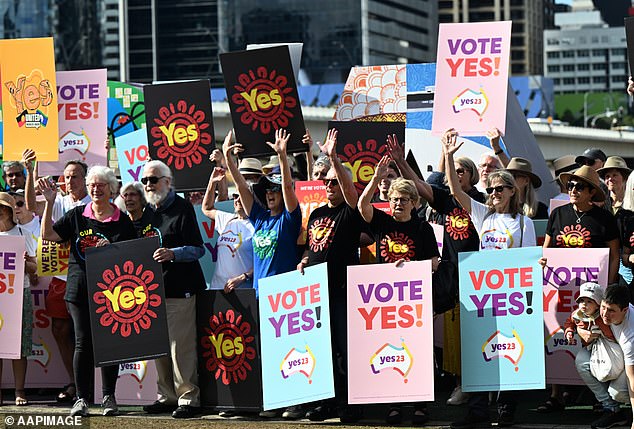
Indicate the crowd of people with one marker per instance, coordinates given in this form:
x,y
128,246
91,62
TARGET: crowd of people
x,y
495,201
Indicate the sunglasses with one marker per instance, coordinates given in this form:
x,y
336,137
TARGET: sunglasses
x,y
274,189
330,182
19,203
496,189
579,186
152,179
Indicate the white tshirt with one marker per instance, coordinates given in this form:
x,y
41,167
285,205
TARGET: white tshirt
x,y
235,250
501,231
64,204
32,227
624,334
31,246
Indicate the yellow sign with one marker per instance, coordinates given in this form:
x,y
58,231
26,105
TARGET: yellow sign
x,y
29,98
52,258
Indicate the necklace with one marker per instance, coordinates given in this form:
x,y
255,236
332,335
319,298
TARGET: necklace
x,y
577,216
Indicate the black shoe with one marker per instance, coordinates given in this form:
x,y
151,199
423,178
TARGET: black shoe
x,y
420,417
185,412
350,414
471,421
609,419
505,419
295,412
393,416
159,407
321,413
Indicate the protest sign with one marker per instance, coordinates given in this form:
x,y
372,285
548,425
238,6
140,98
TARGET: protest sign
x,y
180,130
126,112
11,295
361,145
390,358
556,202
501,311
310,195
132,153
52,258
295,334
136,384
262,95
83,114
126,299
207,232
294,49
228,349
566,270
472,77
29,98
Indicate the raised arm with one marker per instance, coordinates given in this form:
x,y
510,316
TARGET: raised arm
x,y
398,155
308,140
223,190
48,190
28,159
494,140
281,141
217,176
246,197
329,147
364,204
449,146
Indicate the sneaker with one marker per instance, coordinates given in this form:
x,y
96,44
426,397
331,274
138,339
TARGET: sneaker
x,y
270,414
350,414
505,419
185,412
321,413
109,406
158,407
609,419
295,412
420,417
228,413
458,397
80,408
471,421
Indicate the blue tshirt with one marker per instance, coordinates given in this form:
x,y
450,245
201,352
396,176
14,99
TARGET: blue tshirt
x,y
274,242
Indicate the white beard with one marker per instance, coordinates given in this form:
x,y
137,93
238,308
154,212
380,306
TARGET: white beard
x,y
155,197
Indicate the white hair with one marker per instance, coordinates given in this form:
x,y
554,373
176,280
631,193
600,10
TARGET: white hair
x,y
163,169
104,173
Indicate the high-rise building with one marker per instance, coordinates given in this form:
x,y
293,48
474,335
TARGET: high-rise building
x,y
337,34
25,18
530,18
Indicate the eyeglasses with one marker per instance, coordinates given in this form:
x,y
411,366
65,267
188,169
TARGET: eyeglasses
x,y
152,179
97,185
330,182
19,203
460,171
274,189
402,200
491,166
579,186
496,189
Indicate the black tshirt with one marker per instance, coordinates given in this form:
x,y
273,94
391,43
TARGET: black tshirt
x,y
542,211
625,224
333,237
413,240
141,223
460,234
83,232
176,226
595,228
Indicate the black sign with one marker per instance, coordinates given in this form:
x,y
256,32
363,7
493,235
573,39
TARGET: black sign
x,y
126,298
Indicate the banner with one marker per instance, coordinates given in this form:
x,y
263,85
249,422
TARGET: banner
x,y
126,298
262,95
501,311
390,333
29,99
83,114
132,153
295,334
136,384
566,270
472,77
361,145
12,250
180,130
228,349
126,112
310,194
52,258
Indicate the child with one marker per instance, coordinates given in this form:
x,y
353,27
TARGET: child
x,y
587,315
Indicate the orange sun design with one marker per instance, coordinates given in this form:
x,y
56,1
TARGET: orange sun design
x,y
574,236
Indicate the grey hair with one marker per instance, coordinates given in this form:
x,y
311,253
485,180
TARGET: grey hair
x,y
163,169
322,160
137,186
106,174
10,164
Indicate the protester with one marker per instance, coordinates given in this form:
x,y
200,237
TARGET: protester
x,y
251,170
13,175
625,223
592,157
527,182
488,164
563,164
8,227
615,173
180,247
97,223
321,167
132,200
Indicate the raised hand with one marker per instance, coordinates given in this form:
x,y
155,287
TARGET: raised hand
x,y
28,158
330,145
494,138
450,141
48,189
308,140
395,149
217,157
281,140
630,90
380,171
218,175
228,147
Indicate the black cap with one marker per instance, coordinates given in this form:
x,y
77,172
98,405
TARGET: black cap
x,y
590,155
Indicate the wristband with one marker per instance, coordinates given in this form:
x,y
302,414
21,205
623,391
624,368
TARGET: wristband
x,y
246,277
499,152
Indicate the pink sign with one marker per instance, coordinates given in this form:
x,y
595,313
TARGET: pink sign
x,y
11,290
310,195
439,233
554,203
565,271
83,114
390,358
136,384
472,77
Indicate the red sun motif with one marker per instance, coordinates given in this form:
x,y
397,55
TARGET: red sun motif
x,y
395,246
458,224
125,299
368,153
228,347
574,236
320,234
180,135
264,100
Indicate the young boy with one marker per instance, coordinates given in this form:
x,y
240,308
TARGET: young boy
x,y
587,315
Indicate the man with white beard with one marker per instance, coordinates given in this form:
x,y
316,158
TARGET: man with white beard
x,y
181,245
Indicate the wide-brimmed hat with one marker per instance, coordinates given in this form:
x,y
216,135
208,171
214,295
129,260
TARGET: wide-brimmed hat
x,y
250,166
274,161
523,166
591,154
617,163
591,290
267,182
564,164
588,175
9,201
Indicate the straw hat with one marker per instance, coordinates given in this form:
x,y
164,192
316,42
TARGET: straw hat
x,y
250,166
564,164
617,163
7,200
589,176
523,166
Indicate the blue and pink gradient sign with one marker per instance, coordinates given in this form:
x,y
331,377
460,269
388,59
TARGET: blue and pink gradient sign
x,y
501,320
295,336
